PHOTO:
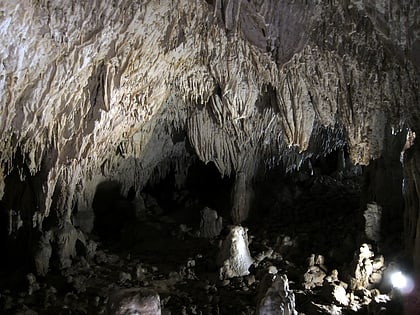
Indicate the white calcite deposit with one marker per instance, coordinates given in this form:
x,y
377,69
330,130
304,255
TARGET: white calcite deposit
x,y
373,215
275,296
234,257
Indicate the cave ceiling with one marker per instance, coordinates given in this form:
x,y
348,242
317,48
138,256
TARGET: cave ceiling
x,y
94,90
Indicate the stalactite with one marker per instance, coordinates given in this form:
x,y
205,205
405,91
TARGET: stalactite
x,y
91,92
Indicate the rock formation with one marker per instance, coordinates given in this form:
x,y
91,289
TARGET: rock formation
x,y
43,254
134,301
373,221
211,224
131,91
234,258
275,296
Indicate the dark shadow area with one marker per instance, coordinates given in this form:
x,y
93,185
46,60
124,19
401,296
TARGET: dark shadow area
x,y
318,206
112,211
211,189
18,236
203,187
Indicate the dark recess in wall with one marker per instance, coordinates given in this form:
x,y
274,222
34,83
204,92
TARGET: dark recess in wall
x,y
112,211
203,187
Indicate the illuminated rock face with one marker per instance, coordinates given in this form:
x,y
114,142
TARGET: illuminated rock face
x,y
275,297
234,258
134,301
93,91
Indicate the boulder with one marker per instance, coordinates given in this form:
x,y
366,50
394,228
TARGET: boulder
x,y
134,301
335,294
275,297
313,277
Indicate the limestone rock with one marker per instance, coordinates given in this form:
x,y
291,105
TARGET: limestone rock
x,y
368,269
43,253
33,285
373,215
263,255
335,294
275,297
211,224
134,301
66,238
316,272
319,309
93,91
313,277
26,311
234,257
124,277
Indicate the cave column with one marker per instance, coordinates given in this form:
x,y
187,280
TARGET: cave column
x,y
243,191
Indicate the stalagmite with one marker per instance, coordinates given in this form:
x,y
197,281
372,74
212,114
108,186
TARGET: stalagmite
x,y
234,258
275,297
211,224
373,221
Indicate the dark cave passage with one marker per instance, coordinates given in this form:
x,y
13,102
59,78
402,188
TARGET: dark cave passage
x,y
203,187
113,211
319,207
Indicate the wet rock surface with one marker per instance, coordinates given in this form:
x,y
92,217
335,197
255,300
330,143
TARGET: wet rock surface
x,y
168,270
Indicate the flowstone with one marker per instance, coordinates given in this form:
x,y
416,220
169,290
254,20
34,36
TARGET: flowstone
x,y
234,257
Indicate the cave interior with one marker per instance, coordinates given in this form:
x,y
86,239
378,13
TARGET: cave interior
x,y
221,157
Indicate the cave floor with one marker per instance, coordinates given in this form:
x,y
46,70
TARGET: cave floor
x,y
162,253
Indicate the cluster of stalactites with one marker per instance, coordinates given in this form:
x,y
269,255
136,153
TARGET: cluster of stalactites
x,y
92,92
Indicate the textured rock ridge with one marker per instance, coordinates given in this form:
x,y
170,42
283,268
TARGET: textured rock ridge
x,y
94,91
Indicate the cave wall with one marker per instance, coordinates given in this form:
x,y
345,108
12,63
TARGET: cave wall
x,y
94,90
